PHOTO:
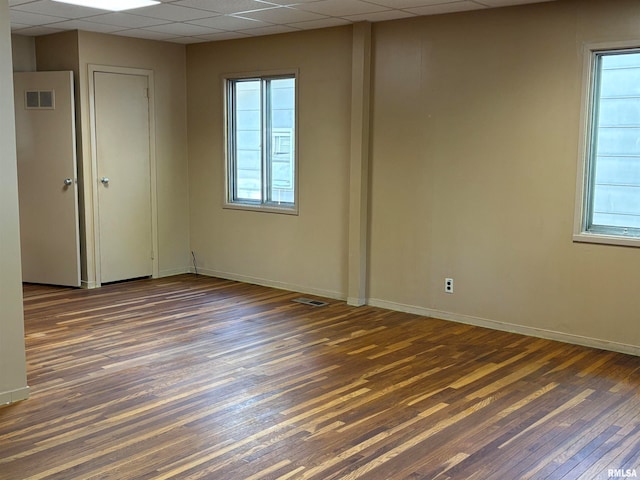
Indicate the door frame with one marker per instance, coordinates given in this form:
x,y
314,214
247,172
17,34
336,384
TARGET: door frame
x,y
93,68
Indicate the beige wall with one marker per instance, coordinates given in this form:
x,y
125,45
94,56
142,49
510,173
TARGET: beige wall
x,y
474,161
474,146
23,51
13,377
307,252
474,138
76,51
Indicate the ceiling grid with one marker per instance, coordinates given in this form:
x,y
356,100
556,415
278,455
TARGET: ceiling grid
x,y
193,21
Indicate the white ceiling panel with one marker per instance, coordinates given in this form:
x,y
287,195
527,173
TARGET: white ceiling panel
x,y
380,16
180,29
32,19
48,7
146,34
214,37
225,6
452,7
211,20
170,11
280,15
224,22
341,8
126,20
270,30
84,25
325,22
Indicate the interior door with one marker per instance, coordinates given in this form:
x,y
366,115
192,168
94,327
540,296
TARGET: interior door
x,y
121,107
47,182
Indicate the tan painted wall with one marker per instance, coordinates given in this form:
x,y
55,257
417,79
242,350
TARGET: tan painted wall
x,y
475,132
23,50
13,377
307,252
475,147
167,61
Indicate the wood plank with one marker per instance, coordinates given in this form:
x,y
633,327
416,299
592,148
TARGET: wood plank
x,y
196,377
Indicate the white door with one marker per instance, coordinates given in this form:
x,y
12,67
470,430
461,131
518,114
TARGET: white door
x,y
121,107
47,183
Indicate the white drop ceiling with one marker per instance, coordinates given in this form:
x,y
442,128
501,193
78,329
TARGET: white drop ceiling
x,y
192,21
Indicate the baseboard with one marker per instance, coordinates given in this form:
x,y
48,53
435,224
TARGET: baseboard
x,y
271,283
88,285
510,327
13,396
356,301
174,271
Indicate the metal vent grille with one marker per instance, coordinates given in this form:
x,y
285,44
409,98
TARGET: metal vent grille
x,y
309,301
39,99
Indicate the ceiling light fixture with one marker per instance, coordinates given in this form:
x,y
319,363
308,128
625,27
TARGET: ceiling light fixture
x,y
113,5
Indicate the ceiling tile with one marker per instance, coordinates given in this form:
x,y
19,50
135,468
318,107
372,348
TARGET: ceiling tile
x,y
453,7
341,8
225,22
223,36
84,25
281,15
379,16
325,22
141,33
26,18
48,7
270,30
224,6
180,29
126,20
181,20
169,11
187,40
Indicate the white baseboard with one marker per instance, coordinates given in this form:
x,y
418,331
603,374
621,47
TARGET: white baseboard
x,y
356,301
88,285
13,396
271,283
174,271
510,327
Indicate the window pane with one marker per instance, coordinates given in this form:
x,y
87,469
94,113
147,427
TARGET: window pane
x,y
248,141
615,190
262,142
282,140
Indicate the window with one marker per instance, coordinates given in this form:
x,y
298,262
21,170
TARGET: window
x,y
261,141
610,190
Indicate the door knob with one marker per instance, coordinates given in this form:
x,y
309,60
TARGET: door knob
x,y
105,180
67,182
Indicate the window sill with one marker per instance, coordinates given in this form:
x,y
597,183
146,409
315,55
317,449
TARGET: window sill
x,y
606,239
262,208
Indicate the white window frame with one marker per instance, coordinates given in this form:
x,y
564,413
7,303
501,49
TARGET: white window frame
x,y
582,214
259,206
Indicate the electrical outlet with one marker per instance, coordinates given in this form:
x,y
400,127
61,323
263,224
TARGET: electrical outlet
x,y
448,285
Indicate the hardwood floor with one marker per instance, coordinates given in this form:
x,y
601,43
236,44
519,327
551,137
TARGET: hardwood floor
x,y
191,377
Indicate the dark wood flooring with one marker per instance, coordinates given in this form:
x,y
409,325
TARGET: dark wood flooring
x,y
191,377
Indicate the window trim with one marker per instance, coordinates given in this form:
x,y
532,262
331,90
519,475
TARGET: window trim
x,y
229,178
585,163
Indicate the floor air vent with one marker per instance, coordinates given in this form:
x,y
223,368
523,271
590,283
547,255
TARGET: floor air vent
x,y
308,301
